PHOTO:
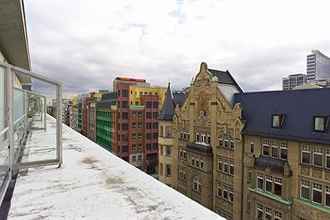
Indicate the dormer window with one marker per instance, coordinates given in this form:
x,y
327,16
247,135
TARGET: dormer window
x,y
320,123
277,120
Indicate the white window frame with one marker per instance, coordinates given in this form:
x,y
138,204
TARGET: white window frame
x,y
327,192
260,209
224,164
280,153
318,190
326,155
318,153
266,145
306,187
276,181
310,155
269,212
269,179
263,183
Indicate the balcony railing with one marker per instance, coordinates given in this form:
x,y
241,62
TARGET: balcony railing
x,y
22,112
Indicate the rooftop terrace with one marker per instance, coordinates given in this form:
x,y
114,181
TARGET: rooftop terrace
x,y
92,184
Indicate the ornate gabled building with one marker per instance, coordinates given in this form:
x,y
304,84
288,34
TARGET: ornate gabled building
x,y
286,154
207,135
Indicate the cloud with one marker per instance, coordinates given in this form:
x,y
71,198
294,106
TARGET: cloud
x,y
86,44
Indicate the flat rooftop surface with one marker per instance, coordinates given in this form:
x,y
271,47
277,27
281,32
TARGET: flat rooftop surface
x,y
93,184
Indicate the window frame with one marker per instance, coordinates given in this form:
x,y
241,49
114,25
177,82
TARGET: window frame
x,y
318,190
310,157
302,185
327,155
325,123
263,183
267,146
321,154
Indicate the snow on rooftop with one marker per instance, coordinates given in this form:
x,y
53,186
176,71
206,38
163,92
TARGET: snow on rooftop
x,y
94,184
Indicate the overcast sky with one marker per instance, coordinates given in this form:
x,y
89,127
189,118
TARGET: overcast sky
x,y
86,43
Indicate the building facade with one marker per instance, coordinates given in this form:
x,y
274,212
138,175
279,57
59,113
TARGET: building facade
x,y
286,157
208,140
293,81
104,120
168,153
318,66
135,118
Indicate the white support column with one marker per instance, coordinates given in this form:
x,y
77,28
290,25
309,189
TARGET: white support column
x,y
10,119
59,123
45,114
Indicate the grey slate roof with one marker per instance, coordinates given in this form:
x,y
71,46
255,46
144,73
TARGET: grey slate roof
x,y
275,165
298,106
167,111
200,147
179,98
225,77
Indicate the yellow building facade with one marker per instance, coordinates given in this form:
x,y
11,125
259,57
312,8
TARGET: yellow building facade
x,y
135,93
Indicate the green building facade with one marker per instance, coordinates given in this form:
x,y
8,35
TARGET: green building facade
x,y
104,120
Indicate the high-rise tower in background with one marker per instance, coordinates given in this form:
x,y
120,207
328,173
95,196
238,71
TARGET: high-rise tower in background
x,y
318,66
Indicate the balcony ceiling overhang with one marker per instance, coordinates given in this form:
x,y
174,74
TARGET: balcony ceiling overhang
x,y
13,35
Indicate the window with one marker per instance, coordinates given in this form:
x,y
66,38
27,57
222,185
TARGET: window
x,y
306,157
305,190
149,115
168,151
269,184
196,185
231,197
274,151
260,212
327,161
252,148
161,149
197,137
155,104
225,194
277,120
278,186
268,213
161,169
220,142
317,193
197,163
317,159
133,125
226,168
219,165
133,158
193,162
124,115
219,191
231,170
232,145
202,164
260,182
226,143
161,131
155,115
327,196
320,123
265,150
139,157
148,104
168,131
277,215
168,170
284,153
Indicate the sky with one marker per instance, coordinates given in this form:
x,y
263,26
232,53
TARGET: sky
x,y
86,43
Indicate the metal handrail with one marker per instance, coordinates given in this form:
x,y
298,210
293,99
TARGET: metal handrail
x,y
10,70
